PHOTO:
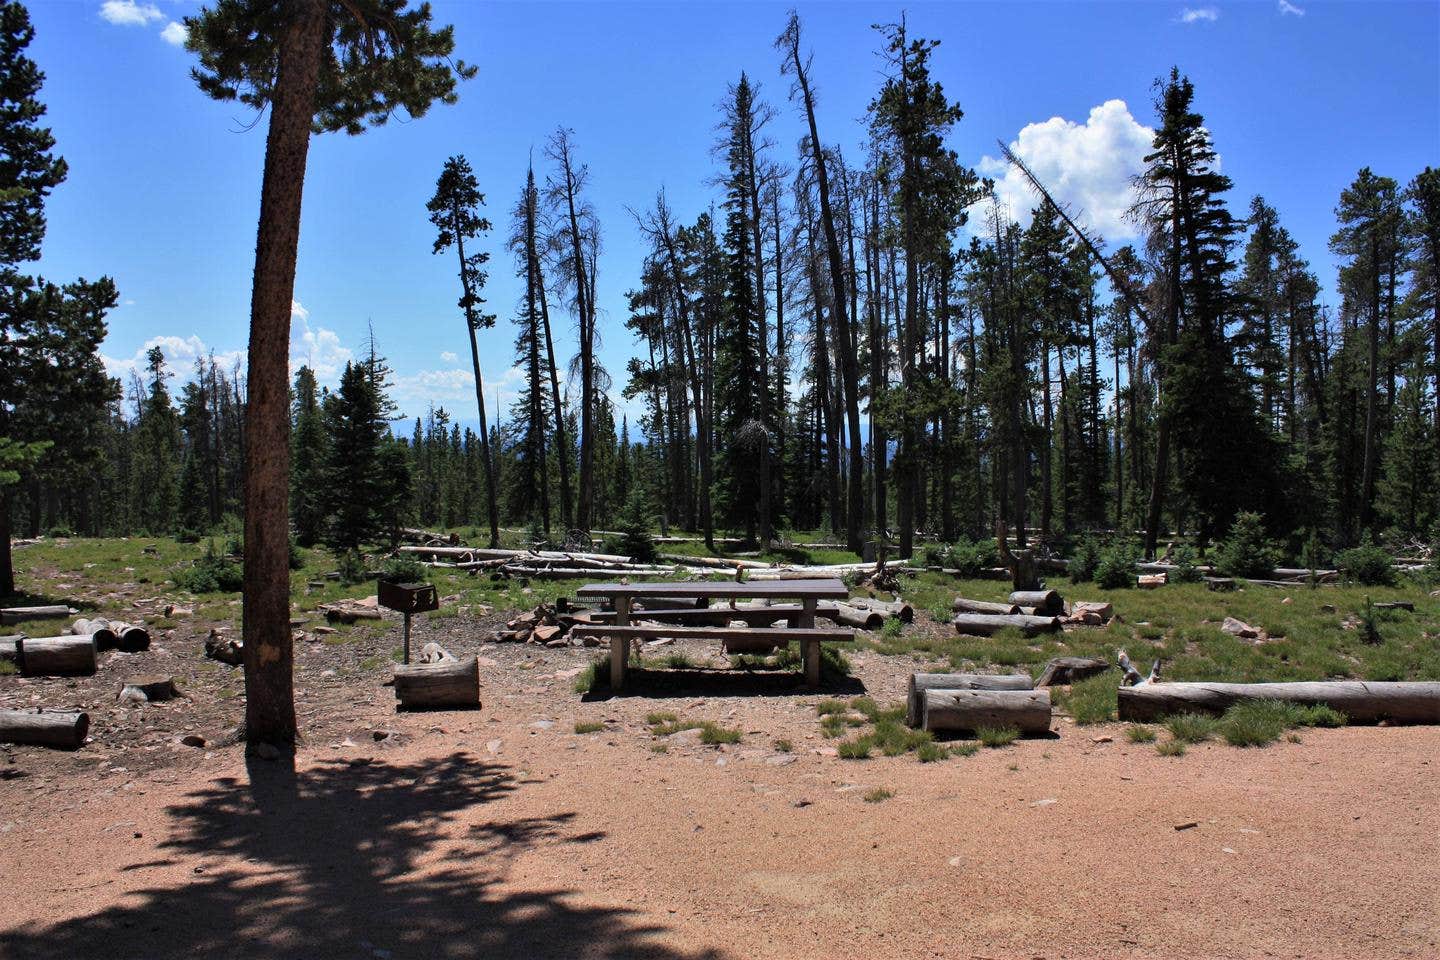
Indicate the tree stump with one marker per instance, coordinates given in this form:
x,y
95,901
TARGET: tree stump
x,y
64,730
446,684
56,656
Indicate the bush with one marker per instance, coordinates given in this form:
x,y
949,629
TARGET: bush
x,y
634,539
212,573
404,570
1116,568
970,558
1368,564
1246,552
1186,570
1085,560
351,566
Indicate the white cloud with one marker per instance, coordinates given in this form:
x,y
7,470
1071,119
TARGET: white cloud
x,y
180,356
319,349
1086,166
129,13
298,312
176,34
455,391
1289,9
449,356
1200,15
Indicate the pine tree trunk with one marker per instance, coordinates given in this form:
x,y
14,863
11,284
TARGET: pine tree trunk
x,y
491,495
269,657
7,560
561,446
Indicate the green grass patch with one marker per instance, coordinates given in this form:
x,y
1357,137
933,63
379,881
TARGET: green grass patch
x,y
1139,734
830,706
968,749
931,752
879,795
1171,748
589,726
1092,700
996,737
1191,727
856,749
783,746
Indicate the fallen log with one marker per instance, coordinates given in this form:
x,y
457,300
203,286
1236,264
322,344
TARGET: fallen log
x,y
130,637
1405,605
1362,701
447,684
56,656
226,649
719,562
65,730
921,682
1063,670
151,688
105,637
10,648
429,536
985,625
580,573
349,613
964,605
1047,603
13,615
968,710
899,609
849,616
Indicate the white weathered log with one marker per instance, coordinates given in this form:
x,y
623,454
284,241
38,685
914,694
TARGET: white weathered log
x,y
1063,670
57,656
965,605
898,609
985,624
1047,603
65,730
921,682
446,684
434,653
13,615
1362,701
849,616
151,688
349,613
968,710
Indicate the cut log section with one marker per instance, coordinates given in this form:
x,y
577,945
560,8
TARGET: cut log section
x,y
1362,701
1047,603
226,649
149,688
1063,670
130,637
985,624
953,711
65,730
447,684
105,637
434,653
921,682
964,605
56,656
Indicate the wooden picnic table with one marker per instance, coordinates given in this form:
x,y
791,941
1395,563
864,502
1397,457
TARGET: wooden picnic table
x,y
807,592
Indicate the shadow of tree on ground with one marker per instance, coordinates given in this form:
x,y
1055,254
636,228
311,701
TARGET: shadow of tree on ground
x,y
351,859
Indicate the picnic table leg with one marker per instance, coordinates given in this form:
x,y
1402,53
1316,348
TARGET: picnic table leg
x,y
809,649
620,645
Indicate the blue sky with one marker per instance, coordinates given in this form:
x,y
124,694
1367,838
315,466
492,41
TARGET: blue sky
x,y
164,184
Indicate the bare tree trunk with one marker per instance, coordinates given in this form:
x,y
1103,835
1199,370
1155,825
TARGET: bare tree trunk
x,y
856,501
269,656
7,560
562,448
471,322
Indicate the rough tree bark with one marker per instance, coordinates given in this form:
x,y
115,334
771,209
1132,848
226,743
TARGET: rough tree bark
x,y
269,656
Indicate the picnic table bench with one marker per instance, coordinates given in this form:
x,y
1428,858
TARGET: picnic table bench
x,y
807,593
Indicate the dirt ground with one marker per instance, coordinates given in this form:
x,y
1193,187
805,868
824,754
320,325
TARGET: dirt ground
x,y
501,832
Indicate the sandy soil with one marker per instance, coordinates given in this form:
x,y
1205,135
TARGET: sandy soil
x,y
501,832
